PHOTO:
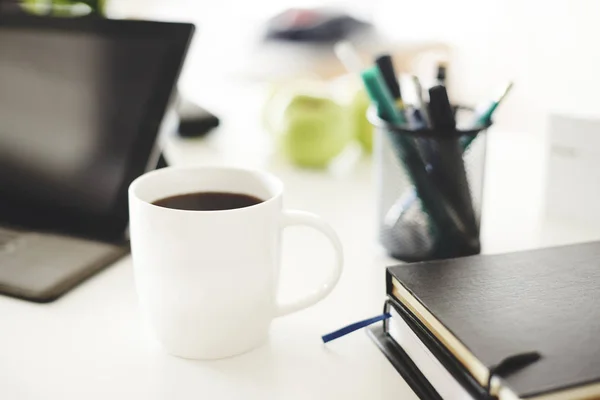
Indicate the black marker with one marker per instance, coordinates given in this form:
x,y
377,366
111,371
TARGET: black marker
x,y
386,67
441,74
440,109
451,176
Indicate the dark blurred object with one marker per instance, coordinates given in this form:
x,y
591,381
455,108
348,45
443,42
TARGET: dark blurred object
x,y
388,71
194,120
313,25
65,166
441,74
162,162
10,7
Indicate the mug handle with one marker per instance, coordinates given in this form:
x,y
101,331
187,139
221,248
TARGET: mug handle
x,y
291,218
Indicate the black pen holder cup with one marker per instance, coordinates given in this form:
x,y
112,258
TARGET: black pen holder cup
x,y
429,189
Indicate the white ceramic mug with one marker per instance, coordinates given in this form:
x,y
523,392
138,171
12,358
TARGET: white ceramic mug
x,y
207,280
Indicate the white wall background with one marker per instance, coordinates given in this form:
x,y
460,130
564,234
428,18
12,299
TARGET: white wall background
x,y
549,48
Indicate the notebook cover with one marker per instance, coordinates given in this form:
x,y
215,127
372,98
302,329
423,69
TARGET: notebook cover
x,y
501,305
402,363
453,366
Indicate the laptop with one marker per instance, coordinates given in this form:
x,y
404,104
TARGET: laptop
x,y
82,102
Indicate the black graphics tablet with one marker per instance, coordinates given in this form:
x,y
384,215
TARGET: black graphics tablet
x,y
81,104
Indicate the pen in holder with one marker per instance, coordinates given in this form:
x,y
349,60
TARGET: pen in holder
x,y
437,216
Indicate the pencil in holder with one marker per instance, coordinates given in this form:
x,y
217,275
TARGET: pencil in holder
x,y
434,214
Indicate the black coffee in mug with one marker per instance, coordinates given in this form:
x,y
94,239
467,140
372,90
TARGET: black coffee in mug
x,y
208,201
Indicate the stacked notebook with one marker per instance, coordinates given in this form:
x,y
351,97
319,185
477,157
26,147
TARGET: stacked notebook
x,y
514,326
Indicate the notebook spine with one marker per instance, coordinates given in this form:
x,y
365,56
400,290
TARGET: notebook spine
x,y
388,283
403,364
441,353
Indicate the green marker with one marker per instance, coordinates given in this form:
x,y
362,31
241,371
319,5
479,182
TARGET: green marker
x,y
483,114
381,96
404,146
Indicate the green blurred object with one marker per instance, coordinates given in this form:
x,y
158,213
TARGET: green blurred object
x,y
363,129
314,130
65,8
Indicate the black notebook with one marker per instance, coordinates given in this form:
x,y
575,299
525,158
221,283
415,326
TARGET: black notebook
x,y
483,310
403,364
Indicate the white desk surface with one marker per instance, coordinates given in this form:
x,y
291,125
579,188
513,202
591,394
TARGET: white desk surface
x,y
91,344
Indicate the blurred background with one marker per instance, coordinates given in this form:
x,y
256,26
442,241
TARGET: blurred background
x,y
546,49
542,162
